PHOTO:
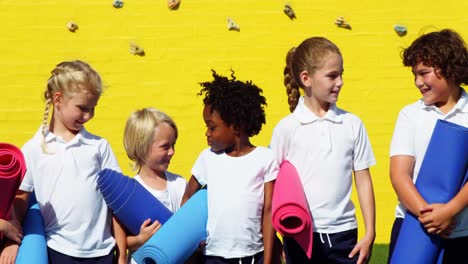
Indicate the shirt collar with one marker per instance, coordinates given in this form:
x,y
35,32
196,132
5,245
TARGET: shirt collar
x,y
304,115
83,136
462,104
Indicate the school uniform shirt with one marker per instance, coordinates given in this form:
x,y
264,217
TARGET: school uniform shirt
x,y
77,220
171,197
413,131
235,200
325,152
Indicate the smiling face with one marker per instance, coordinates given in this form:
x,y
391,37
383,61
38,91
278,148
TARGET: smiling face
x,y
162,149
72,112
218,134
432,85
324,85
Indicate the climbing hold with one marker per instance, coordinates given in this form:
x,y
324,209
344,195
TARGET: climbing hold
x,y
232,25
118,3
72,26
400,30
340,22
289,11
173,4
136,50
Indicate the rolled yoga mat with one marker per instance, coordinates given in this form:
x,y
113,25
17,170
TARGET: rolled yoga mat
x,y
129,201
33,248
180,236
290,211
12,170
443,173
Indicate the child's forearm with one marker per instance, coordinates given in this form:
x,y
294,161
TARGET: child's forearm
x,y
120,240
268,231
460,201
366,198
401,170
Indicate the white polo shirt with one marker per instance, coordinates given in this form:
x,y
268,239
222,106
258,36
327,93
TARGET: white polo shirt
x,y
413,131
325,152
235,200
76,218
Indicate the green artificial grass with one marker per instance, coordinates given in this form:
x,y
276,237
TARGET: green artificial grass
x,y
379,254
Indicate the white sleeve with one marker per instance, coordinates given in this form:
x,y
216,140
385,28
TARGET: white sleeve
x,y
108,159
403,135
27,185
363,154
278,143
199,169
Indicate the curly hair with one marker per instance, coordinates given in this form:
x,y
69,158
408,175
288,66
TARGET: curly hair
x,y
238,103
444,50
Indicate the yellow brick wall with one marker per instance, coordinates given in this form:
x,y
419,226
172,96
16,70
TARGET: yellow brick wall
x,y
183,45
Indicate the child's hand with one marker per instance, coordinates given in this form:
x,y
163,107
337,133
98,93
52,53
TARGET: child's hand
x,y
9,253
437,219
147,230
12,230
364,249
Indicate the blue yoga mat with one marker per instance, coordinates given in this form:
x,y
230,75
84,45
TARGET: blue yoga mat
x,y
33,248
443,173
180,236
129,201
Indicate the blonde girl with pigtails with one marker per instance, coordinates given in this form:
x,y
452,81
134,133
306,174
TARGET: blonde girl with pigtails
x,y
63,161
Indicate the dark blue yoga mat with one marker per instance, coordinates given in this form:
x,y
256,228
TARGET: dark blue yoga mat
x,y
443,173
129,201
33,248
180,236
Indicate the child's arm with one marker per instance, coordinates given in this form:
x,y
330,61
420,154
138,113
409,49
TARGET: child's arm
x,y
11,229
268,231
147,230
192,187
439,218
120,241
401,171
365,193
10,251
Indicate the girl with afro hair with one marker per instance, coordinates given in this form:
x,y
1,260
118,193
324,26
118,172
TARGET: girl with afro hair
x,y
240,176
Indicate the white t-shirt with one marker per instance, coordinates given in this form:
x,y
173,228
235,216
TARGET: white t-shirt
x,y
413,131
325,152
76,218
171,197
235,199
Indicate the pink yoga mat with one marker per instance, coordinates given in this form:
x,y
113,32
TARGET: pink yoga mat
x,y
12,169
291,215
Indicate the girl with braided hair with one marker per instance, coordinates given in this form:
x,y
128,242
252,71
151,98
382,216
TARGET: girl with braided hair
x,y
327,145
63,161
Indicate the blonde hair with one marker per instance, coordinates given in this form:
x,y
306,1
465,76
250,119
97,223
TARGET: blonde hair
x,y
139,133
69,78
308,56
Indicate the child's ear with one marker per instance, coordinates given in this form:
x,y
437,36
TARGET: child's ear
x,y
57,98
305,78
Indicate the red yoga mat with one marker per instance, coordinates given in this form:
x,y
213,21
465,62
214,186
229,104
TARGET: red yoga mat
x,y
291,215
12,169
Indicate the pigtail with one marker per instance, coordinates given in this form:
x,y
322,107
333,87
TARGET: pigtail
x,y
44,122
292,88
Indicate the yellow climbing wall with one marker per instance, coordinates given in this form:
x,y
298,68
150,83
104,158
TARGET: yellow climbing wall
x,y
182,46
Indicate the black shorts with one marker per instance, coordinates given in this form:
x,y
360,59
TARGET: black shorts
x,y
327,248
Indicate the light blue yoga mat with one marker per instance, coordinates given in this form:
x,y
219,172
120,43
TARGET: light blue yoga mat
x,y
443,173
33,248
180,236
129,201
